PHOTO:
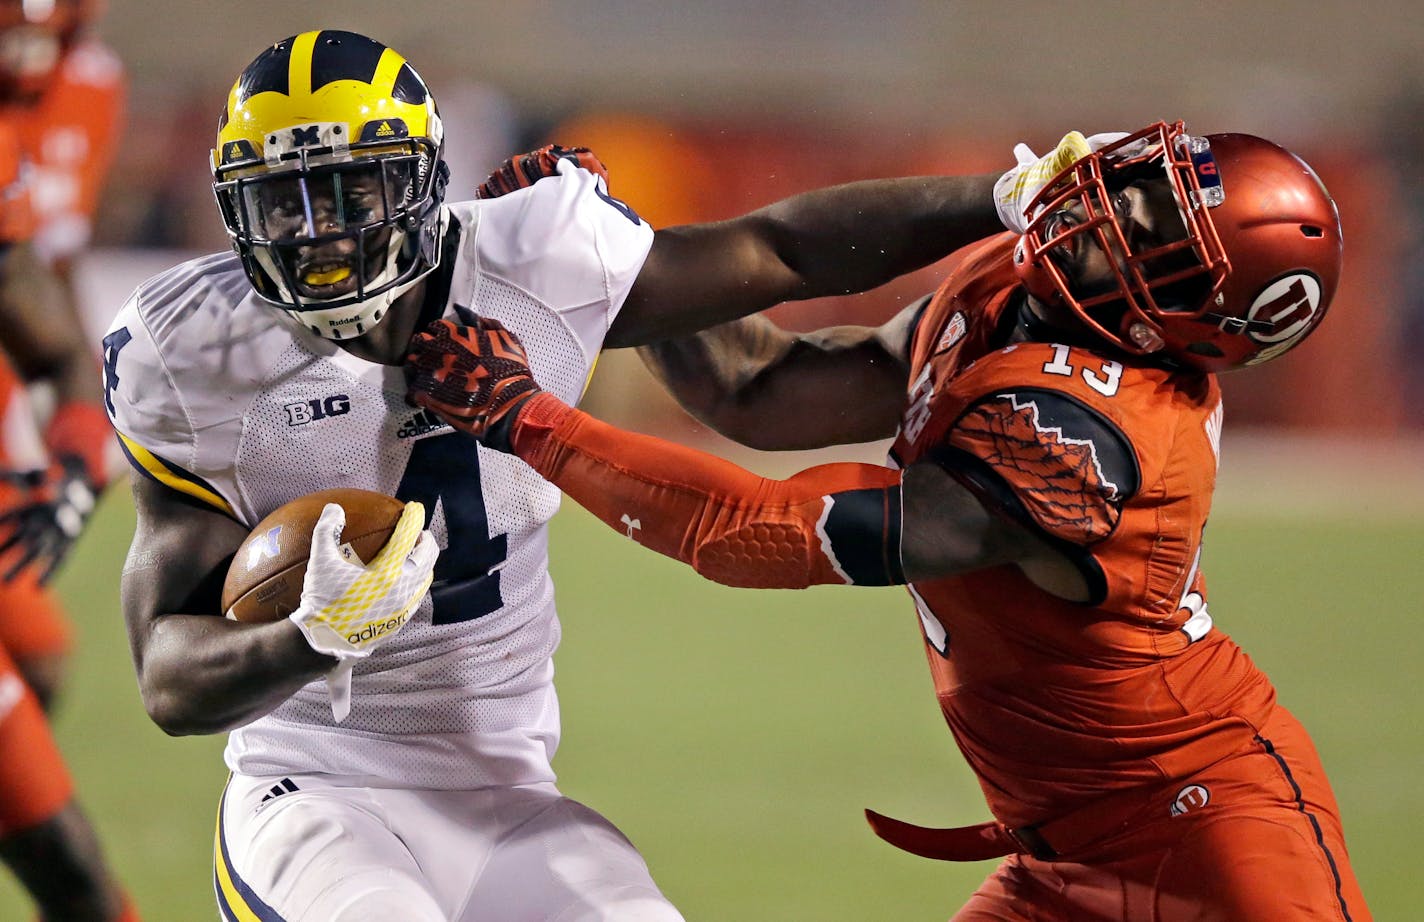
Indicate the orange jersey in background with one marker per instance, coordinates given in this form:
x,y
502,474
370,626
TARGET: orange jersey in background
x,y
54,154
16,218
1056,704
68,139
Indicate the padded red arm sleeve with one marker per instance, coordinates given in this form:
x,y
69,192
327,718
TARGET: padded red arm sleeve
x,y
837,523
81,430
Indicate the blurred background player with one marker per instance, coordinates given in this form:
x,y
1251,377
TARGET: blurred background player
x,y
44,838
62,91
61,101
1057,422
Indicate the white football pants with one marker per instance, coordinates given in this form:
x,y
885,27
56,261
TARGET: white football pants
x,y
306,848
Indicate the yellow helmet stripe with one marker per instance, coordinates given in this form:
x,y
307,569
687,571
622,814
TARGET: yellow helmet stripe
x,y
387,71
300,73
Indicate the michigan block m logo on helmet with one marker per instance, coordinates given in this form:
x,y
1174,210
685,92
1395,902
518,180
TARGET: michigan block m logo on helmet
x,y
306,136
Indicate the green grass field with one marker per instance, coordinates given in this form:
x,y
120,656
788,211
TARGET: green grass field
x,y
736,735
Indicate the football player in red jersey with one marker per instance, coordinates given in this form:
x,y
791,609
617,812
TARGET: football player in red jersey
x,y
44,837
61,104
1056,418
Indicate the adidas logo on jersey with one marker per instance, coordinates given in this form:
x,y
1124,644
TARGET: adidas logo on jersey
x,y
422,423
285,786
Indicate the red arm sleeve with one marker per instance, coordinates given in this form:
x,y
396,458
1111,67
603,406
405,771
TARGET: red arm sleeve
x,y
837,523
83,431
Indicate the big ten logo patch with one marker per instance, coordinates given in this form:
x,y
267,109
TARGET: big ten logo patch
x,y
317,409
1192,797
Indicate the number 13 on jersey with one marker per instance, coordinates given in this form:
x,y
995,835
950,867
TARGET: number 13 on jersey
x,y
1104,380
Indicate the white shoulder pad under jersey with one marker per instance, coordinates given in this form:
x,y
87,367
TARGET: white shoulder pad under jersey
x,y
182,359
563,240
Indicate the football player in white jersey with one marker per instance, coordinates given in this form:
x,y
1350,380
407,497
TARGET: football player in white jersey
x,y
240,381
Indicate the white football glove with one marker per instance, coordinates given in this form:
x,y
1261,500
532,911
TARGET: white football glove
x,y
1015,191
347,609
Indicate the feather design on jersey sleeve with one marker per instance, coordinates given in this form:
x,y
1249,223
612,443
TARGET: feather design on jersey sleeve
x,y
1055,470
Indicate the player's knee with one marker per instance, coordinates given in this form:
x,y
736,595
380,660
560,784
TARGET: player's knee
x,y
1253,867
60,863
385,905
83,907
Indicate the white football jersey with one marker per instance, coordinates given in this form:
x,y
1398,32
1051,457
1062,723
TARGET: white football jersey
x,y
226,398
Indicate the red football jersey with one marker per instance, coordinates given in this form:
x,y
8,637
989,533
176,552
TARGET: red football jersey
x,y
69,139
1056,704
16,218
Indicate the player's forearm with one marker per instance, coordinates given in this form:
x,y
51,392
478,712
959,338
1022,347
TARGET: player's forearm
x,y
860,235
42,334
713,374
205,674
775,390
836,524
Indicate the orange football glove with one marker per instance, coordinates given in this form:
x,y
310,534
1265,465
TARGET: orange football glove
x,y
526,169
473,377
49,510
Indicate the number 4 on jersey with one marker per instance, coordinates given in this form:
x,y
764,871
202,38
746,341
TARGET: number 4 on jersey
x,y
444,472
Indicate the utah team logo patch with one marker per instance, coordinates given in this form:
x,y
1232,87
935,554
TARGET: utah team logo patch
x,y
1289,307
953,332
1192,797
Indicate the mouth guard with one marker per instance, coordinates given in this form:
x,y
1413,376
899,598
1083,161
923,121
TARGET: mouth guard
x,y
330,277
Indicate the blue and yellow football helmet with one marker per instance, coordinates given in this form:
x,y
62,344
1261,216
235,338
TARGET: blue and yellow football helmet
x,y
329,177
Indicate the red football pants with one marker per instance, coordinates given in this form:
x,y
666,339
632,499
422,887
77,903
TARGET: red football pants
x,y
1253,838
34,783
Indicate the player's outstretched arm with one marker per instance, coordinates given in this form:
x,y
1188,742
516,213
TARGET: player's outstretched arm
x,y
838,240
838,523
776,390
847,524
199,672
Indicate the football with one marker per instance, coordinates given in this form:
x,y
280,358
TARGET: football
x,y
264,580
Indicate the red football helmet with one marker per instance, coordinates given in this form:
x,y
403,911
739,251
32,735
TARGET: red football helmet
x,y
34,35
1250,277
